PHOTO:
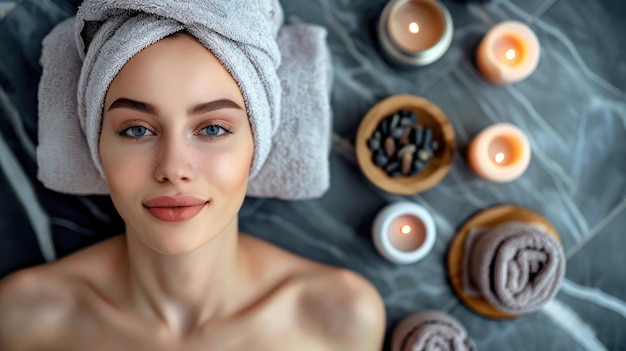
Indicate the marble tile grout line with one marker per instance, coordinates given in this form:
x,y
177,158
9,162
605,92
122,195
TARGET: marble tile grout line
x,y
594,295
597,229
343,34
541,11
450,305
447,72
25,192
569,321
15,120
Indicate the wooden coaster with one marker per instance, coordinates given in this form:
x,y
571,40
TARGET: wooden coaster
x,y
488,218
429,115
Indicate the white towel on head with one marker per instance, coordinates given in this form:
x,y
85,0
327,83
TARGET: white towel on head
x,y
288,104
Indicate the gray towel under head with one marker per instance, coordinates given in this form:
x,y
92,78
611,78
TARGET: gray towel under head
x,y
283,71
516,267
431,331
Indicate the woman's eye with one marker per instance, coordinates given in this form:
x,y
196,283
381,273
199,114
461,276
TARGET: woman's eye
x,y
137,131
212,130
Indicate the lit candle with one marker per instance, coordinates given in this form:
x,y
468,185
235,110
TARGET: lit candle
x,y
499,153
404,232
508,53
415,32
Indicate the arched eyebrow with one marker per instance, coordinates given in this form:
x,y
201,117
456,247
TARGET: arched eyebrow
x,y
204,107
214,105
133,105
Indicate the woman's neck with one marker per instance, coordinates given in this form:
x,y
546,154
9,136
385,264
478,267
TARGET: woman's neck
x,y
187,290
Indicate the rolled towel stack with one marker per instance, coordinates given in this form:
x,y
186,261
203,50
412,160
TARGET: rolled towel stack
x,y
516,267
431,331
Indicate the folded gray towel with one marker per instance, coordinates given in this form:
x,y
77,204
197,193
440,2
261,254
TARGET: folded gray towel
x,y
431,331
516,267
288,103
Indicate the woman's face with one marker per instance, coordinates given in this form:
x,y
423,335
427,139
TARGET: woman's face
x,y
176,146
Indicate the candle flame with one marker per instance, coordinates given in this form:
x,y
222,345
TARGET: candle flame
x,y
406,229
510,54
414,28
499,157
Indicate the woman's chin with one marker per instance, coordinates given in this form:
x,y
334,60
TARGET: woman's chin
x,y
179,237
176,246
176,241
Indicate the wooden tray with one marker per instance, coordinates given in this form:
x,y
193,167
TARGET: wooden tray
x,y
488,218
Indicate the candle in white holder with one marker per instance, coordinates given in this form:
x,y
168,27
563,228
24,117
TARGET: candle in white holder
x,y
404,232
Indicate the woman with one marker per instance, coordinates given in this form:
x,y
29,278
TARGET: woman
x,y
176,148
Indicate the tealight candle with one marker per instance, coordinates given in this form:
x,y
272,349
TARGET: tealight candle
x,y
508,53
415,32
404,232
500,153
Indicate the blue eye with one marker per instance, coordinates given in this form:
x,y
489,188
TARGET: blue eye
x,y
136,132
212,130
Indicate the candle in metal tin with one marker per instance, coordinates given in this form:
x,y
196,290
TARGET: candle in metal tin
x,y
415,32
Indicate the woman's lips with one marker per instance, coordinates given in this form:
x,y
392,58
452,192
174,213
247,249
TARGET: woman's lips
x,y
174,208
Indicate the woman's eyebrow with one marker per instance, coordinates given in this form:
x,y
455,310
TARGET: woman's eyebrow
x,y
214,105
133,105
197,109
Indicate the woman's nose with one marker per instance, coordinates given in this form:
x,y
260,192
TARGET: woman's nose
x,y
173,160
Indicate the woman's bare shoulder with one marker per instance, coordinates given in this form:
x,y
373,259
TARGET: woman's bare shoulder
x,y
33,303
36,303
343,307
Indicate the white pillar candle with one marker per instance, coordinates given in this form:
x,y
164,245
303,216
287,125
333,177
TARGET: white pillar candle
x,y
404,232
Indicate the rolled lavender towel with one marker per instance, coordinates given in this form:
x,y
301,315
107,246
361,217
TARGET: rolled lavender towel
x,y
516,267
431,331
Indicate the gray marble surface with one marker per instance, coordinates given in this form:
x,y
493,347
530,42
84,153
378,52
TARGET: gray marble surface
x,y
6,6
572,108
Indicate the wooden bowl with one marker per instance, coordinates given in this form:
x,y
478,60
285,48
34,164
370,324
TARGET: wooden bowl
x,y
429,115
488,218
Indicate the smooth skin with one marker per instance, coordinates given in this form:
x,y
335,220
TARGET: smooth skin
x,y
174,123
